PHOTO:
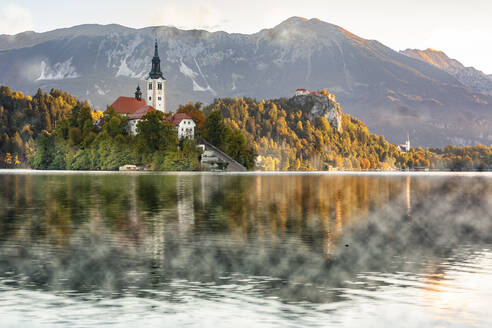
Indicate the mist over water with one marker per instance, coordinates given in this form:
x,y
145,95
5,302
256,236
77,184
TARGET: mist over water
x,y
127,250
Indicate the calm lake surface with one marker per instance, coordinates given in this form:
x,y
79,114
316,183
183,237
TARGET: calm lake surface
x,y
211,250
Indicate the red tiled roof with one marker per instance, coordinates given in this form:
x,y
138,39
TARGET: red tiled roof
x,y
177,118
141,112
127,105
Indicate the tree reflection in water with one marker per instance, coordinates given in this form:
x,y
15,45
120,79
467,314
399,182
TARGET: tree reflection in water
x,y
304,234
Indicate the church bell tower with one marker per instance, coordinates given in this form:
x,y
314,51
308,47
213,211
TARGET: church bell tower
x,y
156,84
138,94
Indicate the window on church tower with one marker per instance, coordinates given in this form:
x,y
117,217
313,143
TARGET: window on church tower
x,y
159,98
150,86
150,98
159,86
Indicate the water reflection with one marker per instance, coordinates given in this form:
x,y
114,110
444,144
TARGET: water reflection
x,y
186,208
408,195
310,242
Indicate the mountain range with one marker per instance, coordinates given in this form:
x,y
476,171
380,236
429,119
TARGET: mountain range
x,y
393,93
470,77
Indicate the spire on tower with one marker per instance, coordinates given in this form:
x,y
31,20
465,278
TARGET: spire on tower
x,y
156,73
156,52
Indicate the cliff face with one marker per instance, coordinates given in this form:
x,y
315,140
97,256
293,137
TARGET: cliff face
x,y
321,105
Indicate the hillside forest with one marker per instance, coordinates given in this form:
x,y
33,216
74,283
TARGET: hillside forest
x,y
56,131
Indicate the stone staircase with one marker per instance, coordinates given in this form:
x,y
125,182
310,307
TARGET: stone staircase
x,y
215,159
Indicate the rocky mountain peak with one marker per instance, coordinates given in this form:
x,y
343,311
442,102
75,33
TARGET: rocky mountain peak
x,y
434,57
301,29
470,77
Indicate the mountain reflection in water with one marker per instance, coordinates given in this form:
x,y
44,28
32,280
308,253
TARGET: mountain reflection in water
x,y
261,250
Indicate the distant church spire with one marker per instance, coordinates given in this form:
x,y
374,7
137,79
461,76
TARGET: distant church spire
x,y
156,73
138,94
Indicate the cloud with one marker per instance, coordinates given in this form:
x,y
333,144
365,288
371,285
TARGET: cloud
x,y
15,19
188,16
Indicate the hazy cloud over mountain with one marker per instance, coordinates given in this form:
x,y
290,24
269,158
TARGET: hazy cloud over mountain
x,y
15,19
181,15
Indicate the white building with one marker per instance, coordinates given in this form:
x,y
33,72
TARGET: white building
x,y
302,92
134,118
156,84
405,148
184,124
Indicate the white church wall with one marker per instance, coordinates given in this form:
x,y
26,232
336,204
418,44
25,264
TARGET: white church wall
x,y
155,97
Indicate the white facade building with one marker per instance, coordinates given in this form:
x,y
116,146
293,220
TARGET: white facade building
x,y
186,129
184,125
134,118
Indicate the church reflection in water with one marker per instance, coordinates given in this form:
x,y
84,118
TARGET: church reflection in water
x,y
185,203
408,194
144,208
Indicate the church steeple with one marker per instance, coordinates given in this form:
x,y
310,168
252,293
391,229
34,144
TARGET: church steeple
x,y
156,50
138,94
156,84
156,73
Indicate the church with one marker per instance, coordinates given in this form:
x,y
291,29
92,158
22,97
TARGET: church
x,y
405,148
134,108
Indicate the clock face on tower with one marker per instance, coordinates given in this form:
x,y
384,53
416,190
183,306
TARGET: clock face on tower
x,y
156,84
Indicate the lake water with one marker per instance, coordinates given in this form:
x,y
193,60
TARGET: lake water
x,y
252,250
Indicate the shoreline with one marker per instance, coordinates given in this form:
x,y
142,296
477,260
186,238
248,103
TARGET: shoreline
x,y
487,174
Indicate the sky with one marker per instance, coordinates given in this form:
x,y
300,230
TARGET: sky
x,y
461,28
